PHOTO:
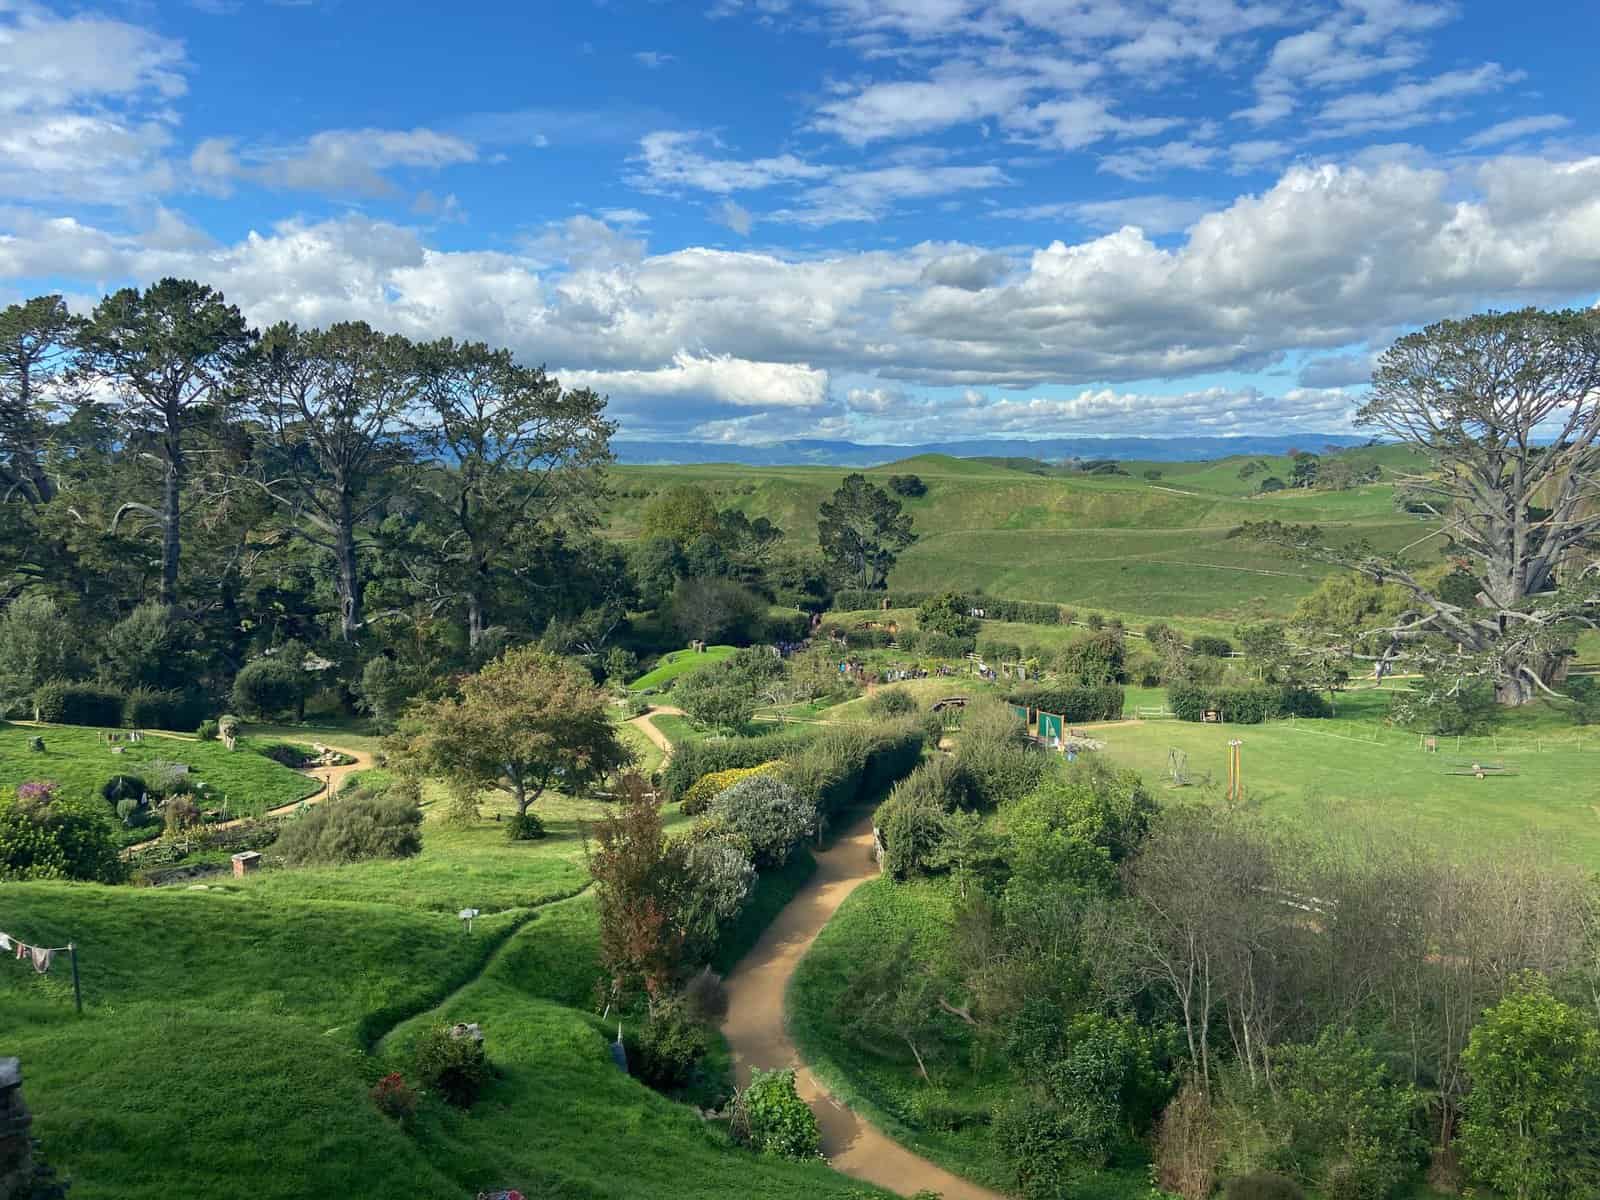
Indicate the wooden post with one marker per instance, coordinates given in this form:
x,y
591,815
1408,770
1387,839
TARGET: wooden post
x,y
77,987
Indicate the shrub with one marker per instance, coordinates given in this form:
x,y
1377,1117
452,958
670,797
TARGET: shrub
x,y
1095,621
45,836
1212,647
944,645
996,756
363,824
912,819
1094,659
709,786
770,1117
153,708
947,614
207,731
892,702
692,760
394,1097
1187,1145
770,813
936,1108
123,787
1076,704
710,874
706,995
179,813
1036,1141
669,1045
286,754
909,486
525,828
62,703
130,812
1262,1185
1245,705
454,1066
270,687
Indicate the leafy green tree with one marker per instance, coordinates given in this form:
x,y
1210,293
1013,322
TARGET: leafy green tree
x,y
1529,1121
861,531
1305,470
895,997
526,722
681,514
38,642
947,614
171,358
514,455
332,401
47,836
150,647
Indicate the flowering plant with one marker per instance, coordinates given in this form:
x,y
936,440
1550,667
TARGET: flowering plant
x,y
394,1097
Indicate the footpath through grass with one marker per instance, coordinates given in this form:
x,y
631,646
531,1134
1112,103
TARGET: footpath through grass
x,y
231,1034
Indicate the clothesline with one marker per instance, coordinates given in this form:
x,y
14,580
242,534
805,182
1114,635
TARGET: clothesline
x,y
39,956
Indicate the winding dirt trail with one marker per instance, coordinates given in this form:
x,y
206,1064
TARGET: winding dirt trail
x,y
647,727
755,1027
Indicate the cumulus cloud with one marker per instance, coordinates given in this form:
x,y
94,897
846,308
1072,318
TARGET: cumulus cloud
x,y
1326,259
336,161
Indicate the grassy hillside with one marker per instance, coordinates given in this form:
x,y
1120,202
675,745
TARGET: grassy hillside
x,y
231,1034
1121,544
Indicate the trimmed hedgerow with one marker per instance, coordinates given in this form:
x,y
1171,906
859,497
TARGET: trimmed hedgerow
x,y
61,702
1245,705
1072,702
691,760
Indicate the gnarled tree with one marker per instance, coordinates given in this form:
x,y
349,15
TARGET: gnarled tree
x,y
1506,407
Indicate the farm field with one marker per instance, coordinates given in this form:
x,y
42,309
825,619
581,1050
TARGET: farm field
x,y
238,1026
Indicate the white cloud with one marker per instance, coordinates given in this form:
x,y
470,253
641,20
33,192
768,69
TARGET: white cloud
x,y
653,60
52,62
335,161
670,158
1513,130
1145,162
719,378
1324,260
867,195
1410,104
1156,214
904,108
735,216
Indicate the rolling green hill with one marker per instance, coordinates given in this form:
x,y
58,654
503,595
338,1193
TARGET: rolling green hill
x,y
1116,543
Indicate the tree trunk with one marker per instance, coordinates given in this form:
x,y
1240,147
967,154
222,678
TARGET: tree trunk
x,y
171,519
349,585
474,617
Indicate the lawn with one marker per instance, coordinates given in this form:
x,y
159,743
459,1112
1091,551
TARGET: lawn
x,y
75,759
1355,772
679,662
231,1032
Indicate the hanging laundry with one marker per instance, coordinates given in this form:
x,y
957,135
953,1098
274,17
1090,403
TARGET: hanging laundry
x,y
5,941
41,959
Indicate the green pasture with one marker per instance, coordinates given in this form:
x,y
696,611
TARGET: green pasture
x,y
232,1030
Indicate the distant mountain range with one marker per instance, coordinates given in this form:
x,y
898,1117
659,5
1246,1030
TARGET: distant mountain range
x,y
821,453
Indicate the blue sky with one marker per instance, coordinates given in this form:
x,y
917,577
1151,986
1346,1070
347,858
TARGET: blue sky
x,y
895,220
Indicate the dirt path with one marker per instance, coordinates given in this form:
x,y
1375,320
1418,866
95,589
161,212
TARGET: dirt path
x,y
331,778
757,1036
647,727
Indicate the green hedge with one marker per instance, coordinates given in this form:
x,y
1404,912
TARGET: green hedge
x,y
1245,705
62,703
1027,612
1073,702
147,708
847,765
1213,647
691,760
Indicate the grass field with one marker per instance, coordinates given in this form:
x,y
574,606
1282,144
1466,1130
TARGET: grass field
x,y
76,760
1124,545
679,662
1354,772
230,1034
